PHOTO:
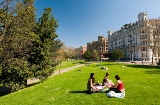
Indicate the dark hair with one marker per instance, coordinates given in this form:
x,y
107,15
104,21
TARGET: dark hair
x,y
107,74
117,77
91,77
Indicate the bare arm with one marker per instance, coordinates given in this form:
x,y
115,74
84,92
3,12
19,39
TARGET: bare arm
x,y
91,84
115,86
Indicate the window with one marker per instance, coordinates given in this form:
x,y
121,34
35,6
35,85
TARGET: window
x,y
143,43
133,38
144,49
146,54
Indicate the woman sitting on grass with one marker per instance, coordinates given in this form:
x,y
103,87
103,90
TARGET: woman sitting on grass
x,y
91,84
106,82
118,87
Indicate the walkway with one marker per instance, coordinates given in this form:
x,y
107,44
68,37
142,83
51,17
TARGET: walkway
x,y
140,63
30,81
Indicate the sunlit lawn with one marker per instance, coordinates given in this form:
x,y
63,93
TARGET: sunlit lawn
x,y
68,63
141,84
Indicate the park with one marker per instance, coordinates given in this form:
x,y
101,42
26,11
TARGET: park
x,y
43,60
140,81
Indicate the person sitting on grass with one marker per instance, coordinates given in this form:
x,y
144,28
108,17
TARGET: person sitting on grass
x,y
91,84
106,82
118,87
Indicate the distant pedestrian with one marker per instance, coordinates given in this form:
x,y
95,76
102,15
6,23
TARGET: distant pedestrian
x,y
142,61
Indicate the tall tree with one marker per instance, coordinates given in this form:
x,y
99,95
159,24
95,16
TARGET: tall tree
x,y
154,42
17,45
95,55
117,54
87,56
28,48
45,49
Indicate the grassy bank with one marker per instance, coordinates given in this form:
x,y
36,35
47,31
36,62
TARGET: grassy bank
x,y
68,63
141,85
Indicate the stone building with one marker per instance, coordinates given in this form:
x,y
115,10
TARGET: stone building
x,y
82,50
101,45
136,39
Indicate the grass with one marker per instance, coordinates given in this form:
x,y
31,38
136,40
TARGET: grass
x,y
141,85
68,63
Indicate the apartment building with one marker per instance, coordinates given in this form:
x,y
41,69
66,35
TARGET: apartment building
x,y
82,50
101,45
134,39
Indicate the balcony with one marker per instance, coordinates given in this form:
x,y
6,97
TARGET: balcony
x,y
129,35
130,40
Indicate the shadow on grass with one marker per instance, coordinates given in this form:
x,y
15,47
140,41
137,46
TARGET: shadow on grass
x,y
99,65
81,92
7,90
144,66
84,91
153,72
110,64
4,91
79,62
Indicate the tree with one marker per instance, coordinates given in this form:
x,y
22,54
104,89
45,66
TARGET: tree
x,y
87,56
117,54
28,48
6,16
154,41
95,55
17,39
45,48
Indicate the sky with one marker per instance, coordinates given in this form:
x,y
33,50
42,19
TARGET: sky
x,y
82,21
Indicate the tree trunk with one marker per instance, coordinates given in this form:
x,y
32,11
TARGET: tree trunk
x,y
152,58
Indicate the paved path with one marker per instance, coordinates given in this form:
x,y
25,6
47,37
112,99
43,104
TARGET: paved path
x,y
30,81
140,63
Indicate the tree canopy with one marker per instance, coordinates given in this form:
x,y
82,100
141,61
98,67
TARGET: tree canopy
x,y
87,56
117,54
28,47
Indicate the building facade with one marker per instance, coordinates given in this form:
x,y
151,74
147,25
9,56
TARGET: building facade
x,y
101,45
135,39
82,50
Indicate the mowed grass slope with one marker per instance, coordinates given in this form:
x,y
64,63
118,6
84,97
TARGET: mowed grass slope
x,y
68,63
141,85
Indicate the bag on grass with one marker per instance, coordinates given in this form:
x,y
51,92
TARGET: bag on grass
x,y
111,94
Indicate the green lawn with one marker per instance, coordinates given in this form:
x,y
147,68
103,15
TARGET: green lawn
x,y
68,63
141,85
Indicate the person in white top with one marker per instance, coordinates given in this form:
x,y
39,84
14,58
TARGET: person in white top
x,y
106,82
